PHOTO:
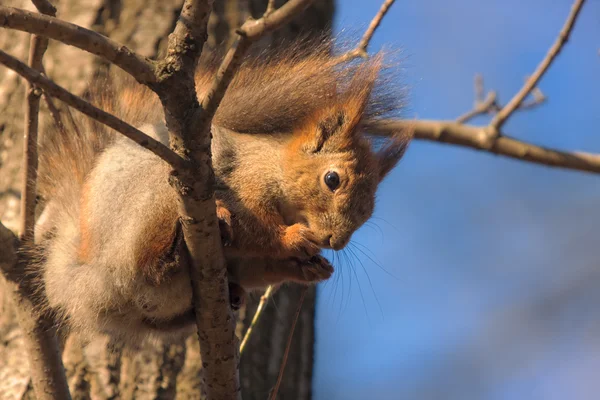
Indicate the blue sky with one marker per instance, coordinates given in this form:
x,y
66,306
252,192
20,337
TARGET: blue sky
x,y
482,279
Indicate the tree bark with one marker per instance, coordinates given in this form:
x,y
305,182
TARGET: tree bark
x,y
101,369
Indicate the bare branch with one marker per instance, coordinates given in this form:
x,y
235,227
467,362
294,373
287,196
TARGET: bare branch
x,y
137,66
91,111
261,305
255,29
361,49
208,275
289,345
8,249
45,7
480,108
189,133
490,104
532,82
37,48
482,138
270,7
55,112
45,363
479,88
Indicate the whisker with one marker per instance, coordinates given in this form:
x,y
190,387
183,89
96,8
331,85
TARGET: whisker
x,y
376,262
337,284
370,282
389,223
359,288
347,303
375,227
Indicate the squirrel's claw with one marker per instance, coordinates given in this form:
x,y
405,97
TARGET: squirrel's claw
x,y
237,296
316,269
224,216
300,241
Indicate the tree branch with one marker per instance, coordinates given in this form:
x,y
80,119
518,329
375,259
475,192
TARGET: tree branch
x,y
189,132
490,105
482,138
8,249
55,112
273,395
255,29
137,66
37,48
361,49
91,111
45,363
532,82
208,274
270,7
261,305
481,107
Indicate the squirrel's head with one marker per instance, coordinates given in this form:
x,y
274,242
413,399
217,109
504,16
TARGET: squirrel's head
x,y
331,170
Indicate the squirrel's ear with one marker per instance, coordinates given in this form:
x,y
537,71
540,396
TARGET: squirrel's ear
x,y
389,155
327,127
334,128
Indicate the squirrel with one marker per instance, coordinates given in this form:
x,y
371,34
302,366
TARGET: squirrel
x,y
295,174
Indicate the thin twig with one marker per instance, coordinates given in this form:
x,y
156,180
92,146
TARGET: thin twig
x,y
490,104
37,48
137,66
45,364
261,304
361,49
55,112
480,108
40,338
86,108
479,88
8,245
45,7
270,7
481,138
532,82
289,344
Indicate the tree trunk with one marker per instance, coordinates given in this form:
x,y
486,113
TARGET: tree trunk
x,y
101,369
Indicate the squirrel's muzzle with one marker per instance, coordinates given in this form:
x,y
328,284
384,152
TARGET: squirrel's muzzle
x,y
339,242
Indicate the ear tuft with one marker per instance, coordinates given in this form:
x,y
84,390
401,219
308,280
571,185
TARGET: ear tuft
x,y
389,155
327,127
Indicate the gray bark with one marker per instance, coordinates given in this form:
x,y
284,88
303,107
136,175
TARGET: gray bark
x,y
101,369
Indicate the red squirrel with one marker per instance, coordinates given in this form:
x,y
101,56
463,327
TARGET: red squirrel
x,y
295,174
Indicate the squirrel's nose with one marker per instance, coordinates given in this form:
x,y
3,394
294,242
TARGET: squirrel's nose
x,y
338,243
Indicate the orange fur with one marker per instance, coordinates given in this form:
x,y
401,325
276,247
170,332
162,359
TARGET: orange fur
x,y
284,125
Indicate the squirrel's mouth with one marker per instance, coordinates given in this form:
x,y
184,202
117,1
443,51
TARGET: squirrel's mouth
x,y
175,323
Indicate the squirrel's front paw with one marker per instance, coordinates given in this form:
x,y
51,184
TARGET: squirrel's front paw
x,y
316,269
224,216
299,241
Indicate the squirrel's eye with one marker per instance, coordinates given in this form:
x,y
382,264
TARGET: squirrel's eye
x,y
332,180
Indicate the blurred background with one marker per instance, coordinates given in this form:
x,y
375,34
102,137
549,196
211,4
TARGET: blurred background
x,y
479,276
